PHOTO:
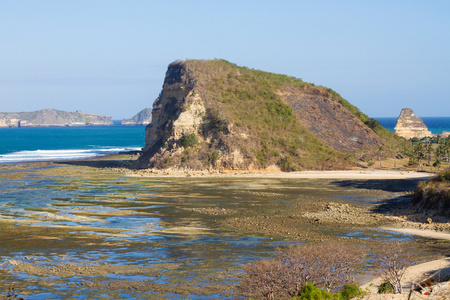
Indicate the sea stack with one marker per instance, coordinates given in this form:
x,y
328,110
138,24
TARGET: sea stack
x,y
409,126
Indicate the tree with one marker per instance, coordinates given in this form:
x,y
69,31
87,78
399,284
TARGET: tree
x,y
328,267
393,260
263,278
418,152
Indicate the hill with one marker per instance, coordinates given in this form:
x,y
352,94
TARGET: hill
x,y
212,113
144,117
52,118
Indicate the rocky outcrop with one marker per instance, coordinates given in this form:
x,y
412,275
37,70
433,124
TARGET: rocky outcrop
x,y
144,117
52,118
242,119
409,126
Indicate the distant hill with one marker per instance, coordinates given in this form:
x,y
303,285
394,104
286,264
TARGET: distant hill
x,y
144,117
52,118
215,114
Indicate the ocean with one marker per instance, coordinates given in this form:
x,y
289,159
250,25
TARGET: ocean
x,y
60,143
435,124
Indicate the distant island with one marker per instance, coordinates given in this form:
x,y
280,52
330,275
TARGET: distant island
x,y
52,118
144,117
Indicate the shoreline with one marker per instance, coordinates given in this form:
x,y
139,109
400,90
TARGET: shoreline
x,y
413,274
362,174
296,220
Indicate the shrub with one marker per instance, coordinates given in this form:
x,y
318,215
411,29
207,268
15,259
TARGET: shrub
x,y
286,164
189,140
310,292
386,288
217,121
214,157
351,291
437,163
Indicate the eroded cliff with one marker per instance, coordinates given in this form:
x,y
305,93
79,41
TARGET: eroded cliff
x,y
239,118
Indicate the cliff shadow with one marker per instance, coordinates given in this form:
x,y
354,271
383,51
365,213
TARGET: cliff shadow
x,y
399,206
388,185
99,163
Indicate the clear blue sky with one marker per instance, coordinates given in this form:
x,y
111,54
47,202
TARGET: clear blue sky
x,y
109,57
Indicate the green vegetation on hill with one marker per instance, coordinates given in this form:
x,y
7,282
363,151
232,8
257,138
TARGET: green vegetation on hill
x,y
257,119
392,143
248,101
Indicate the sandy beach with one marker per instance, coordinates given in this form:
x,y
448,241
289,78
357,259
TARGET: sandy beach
x,y
413,275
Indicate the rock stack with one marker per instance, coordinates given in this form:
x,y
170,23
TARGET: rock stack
x,y
410,126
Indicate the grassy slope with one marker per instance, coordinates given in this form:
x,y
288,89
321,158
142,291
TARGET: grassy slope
x,y
248,100
393,143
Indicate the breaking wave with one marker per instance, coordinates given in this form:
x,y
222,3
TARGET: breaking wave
x,y
46,155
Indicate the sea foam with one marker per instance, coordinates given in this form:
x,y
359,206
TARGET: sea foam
x,y
46,155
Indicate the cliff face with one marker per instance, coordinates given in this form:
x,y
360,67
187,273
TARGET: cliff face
x,y
52,118
244,119
144,117
410,126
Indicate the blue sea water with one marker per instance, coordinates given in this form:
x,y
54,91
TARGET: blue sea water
x,y
56,143
435,124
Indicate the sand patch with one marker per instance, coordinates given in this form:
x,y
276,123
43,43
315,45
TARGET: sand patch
x,y
420,232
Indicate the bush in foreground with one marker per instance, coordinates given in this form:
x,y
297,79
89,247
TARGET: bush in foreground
x,y
286,276
386,288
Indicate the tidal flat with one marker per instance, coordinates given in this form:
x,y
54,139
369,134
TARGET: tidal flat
x,y
85,231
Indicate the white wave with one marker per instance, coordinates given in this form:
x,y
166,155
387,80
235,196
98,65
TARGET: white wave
x,y
45,155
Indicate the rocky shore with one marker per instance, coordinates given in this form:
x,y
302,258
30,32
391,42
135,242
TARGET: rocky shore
x,y
317,213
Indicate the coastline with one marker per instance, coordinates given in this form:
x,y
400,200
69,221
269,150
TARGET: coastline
x,y
362,174
339,214
413,275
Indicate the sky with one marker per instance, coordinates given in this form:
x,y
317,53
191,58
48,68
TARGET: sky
x,y
109,57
